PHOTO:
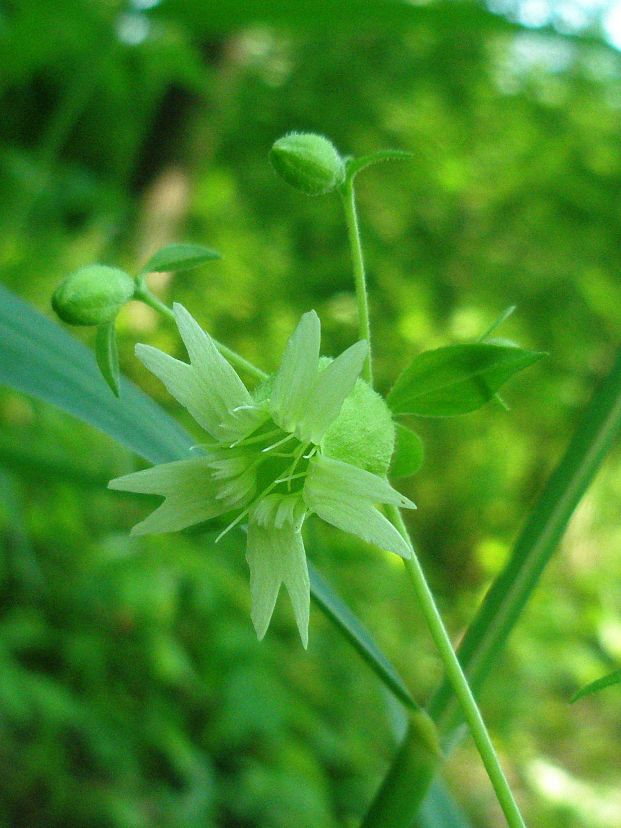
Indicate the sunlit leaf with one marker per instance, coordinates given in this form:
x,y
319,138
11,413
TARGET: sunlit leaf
x,y
456,379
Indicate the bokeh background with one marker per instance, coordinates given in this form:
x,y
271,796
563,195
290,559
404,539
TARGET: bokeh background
x,y
133,692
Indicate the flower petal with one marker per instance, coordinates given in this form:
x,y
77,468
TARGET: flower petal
x,y
344,495
328,475
295,377
181,380
189,489
362,519
277,556
329,391
224,392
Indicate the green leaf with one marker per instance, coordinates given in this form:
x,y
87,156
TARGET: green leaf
x,y
456,379
107,355
356,165
409,452
175,257
39,358
595,686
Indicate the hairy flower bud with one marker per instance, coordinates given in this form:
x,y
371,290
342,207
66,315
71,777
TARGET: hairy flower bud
x,y
363,434
308,162
92,295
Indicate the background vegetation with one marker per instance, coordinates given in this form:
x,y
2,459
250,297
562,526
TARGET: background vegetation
x,y
133,692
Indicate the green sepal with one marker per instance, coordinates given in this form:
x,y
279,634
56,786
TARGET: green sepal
x,y
409,452
176,257
355,165
456,379
107,355
600,684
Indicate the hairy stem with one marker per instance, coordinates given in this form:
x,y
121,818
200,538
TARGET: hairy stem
x,y
460,685
353,232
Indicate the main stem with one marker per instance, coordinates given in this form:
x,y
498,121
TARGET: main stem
x,y
143,294
452,667
458,680
353,232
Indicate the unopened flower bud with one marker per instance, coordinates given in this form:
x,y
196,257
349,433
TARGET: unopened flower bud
x,y
92,295
308,162
363,434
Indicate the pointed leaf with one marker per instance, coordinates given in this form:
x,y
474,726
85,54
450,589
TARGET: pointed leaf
x,y
595,686
409,452
176,257
107,355
456,379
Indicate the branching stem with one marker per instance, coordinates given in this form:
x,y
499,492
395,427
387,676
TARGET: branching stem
x,y
143,294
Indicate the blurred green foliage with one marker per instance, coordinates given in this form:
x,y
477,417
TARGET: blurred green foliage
x,y
132,689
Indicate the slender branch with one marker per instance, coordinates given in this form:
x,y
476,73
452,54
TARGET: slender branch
x,y
456,677
353,232
143,294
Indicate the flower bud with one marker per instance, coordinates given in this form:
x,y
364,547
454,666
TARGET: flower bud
x,y
308,162
363,434
92,295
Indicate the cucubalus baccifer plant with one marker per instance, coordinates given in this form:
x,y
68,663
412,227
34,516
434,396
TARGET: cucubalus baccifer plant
x,y
310,439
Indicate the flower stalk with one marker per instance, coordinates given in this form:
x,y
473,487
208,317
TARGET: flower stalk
x,y
353,231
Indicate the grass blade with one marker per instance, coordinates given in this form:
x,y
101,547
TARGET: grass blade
x,y
599,684
337,611
40,358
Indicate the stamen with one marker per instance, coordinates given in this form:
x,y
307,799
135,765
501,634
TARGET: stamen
x,y
279,443
244,408
243,514
248,441
291,477
234,523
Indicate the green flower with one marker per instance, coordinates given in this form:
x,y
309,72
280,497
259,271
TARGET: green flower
x,y
267,463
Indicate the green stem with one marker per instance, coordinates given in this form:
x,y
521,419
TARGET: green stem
x,y
353,232
143,294
460,685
